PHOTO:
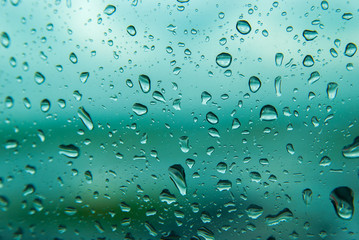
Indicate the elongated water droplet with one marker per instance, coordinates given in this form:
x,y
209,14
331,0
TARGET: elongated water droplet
x,y
224,185
352,150
158,96
278,59
205,233
350,50
73,58
332,90
85,118
139,109
178,177
308,61
39,78
290,149
131,30
11,144
45,105
254,84
205,97
347,16
9,102
213,132
314,76
41,135
333,53
145,83
109,10
212,118
342,199
84,76
268,113
88,177
278,85
224,60
310,35
324,4
4,203
307,196
151,230
184,144
283,216
5,40
243,27
254,211
70,151
27,103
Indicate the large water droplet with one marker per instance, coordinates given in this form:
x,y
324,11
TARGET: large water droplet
x,y
268,113
109,10
205,97
308,61
131,30
145,83
224,60
332,90
158,96
70,151
45,105
342,199
278,59
243,27
254,211
307,196
314,76
85,118
139,109
73,58
283,216
39,78
84,77
310,35
178,177
212,118
352,150
5,40
254,84
224,185
350,50
167,197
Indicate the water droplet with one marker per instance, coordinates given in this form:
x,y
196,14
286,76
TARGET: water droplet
x,y
11,144
205,233
278,85
352,150
325,5
221,167
279,59
139,109
333,53
332,90
5,40
184,144
236,123
84,76
39,78
255,176
151,230
268,113
283,216
70,211
190,162
177,104
213,133
88,177
347,16
167,197
178,177
29,189
254,84
310,35
158,96
325,161
70,151
99,227
4,203
131,30
243,27
342,199
308,61
145,83
109,10
307,196
85,118
45,105
27,103
205,97
314,76
350,50
224,60
290,149
254,211
73,58
41,135
212,118
9,102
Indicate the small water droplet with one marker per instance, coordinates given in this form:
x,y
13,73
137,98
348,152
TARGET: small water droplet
x,y
184,144
254,211
254,84
268,113
205,97
109,10
325,5
314,76
347,16
70,151
39,78
278,85
73,58
45,105
307,196
178,177
27,103
145,83
5,40
325,161
278,59
224,60
29,189
333,53
212,118
139,109
290,149
308,61
11,144
221,167
9,102
84,76
332,90
131,30
243,27
283,216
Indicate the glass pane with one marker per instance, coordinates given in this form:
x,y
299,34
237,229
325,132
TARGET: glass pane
x,y
179,119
